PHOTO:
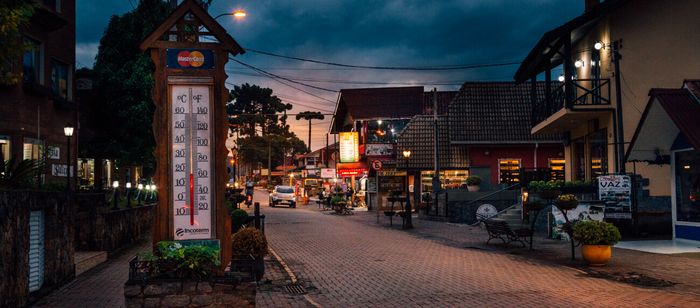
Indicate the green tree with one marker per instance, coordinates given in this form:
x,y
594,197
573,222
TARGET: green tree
x,y
123,82
255,113
310,115
14,18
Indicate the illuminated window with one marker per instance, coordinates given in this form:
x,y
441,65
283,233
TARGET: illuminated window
x,y
509,170
33,149
556,169
5,149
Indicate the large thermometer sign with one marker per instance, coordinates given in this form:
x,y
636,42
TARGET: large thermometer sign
x,y
191,162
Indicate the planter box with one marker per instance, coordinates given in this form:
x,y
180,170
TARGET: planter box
x,y
248,264
189,293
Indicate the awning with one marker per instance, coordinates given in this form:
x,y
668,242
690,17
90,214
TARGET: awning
x,y
670,112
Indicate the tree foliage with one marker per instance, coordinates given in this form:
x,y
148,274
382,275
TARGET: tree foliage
x,y
254,111
123,82
14,18
310,115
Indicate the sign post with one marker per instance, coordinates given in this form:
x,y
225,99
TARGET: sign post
x,y
189,126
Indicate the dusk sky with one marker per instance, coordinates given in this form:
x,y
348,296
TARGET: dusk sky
x,y
378,33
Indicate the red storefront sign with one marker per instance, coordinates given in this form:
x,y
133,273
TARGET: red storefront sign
x,y
351,172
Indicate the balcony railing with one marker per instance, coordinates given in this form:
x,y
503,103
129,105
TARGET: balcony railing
x,y
586,92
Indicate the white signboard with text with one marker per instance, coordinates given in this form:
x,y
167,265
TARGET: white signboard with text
x,y
192,170
60,170
327,173
53,152
616,191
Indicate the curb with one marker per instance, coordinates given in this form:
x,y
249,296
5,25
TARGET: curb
x,y
291,275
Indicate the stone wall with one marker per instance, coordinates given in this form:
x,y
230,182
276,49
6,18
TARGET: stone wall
x,y
98,228
189,294
15,207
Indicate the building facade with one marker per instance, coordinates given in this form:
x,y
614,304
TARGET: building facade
x,y
37,109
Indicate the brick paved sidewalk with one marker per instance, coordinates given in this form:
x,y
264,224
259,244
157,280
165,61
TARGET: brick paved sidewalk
x,y
271,291
102,286
351,261
681,271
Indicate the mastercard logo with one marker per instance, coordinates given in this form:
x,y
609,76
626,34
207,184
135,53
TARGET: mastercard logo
x,y
187,59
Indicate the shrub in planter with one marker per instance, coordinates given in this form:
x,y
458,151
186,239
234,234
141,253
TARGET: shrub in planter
x,y
597,238
249,248
238,218
193,261
473,182
566,202
545,189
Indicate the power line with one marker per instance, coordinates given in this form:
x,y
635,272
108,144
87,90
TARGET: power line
x,y
294,102
405,68
340,81
264,73
283,78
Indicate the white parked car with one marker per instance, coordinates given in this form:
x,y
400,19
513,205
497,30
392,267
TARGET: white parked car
x,y
283,194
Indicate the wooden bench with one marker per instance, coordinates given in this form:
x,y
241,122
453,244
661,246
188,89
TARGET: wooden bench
x,y
499,229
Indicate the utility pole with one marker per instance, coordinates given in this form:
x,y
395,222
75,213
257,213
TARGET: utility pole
x,y
269,160
620,146
436,156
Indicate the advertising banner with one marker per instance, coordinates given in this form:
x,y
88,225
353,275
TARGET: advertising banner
x,y
53,152
349,147
190,58
61,170
327,173
379,150
584,211
616,192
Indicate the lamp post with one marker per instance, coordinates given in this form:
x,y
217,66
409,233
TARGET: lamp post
x,y
128,194
138,195
115,194
68,132
237,14
409,222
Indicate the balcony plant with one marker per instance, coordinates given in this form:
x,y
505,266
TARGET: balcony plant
x,y
597,238
249,249
473,182
545,189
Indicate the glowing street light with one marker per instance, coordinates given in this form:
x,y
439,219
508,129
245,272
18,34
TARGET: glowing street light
x,y
237,14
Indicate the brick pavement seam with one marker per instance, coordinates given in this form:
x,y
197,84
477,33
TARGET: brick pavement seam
x,y
291,275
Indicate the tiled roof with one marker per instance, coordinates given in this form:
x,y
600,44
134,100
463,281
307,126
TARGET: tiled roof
x,y
377,103
419,138
494,112
444,98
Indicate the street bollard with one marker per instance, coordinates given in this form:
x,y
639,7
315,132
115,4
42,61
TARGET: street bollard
x,y
256,212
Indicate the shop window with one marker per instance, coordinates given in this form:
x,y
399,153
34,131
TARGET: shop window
x,y
59,79
556,169
449,179
31,62
509,171
599,153
5,149
33,149
687,165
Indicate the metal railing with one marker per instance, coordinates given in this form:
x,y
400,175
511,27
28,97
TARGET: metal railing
x,y
587,92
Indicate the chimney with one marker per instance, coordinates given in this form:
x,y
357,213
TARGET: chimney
x,y
590,4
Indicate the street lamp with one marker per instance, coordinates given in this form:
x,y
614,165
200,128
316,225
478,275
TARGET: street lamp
x,y
138,196
409,223
237,14
68,132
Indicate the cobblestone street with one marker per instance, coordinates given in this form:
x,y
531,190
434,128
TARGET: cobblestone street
x,y
351,261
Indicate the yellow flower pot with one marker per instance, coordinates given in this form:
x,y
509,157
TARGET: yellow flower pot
x,y
596,255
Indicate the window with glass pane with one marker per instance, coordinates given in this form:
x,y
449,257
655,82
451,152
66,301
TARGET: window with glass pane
x,y
59,79
509,170
579,159
556,169
688,186
31,61
599,153
33,149
5,149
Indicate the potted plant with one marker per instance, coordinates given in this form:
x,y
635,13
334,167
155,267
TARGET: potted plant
x,y
238,219
473,182
192,261
597,238
545,189
249,249
337,203
566,202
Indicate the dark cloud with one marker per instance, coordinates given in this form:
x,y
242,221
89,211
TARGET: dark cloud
x,y
369,32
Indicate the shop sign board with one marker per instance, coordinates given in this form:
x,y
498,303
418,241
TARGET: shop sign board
x,y
349,147
377,164
60,170
327,173
53,152
379,150
584,211
192,171
190,58
391,173
351,171
616,192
